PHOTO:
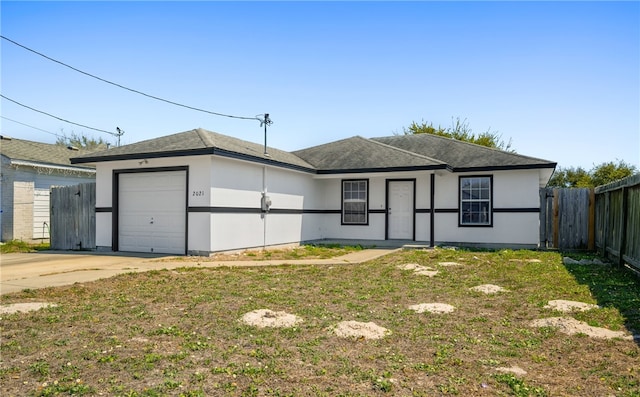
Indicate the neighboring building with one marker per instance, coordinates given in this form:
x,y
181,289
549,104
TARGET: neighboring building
x,y
200,192
29,170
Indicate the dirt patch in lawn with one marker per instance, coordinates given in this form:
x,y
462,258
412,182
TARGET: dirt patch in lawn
x,y
357,330
513,370
569,306
488,289
572,326
437,308
268,318
24,307
449,264
419,269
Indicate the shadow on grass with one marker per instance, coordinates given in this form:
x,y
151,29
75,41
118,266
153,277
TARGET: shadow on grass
x,y
614,287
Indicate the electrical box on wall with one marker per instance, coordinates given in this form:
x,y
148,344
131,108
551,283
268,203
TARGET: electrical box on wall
x,y
265,202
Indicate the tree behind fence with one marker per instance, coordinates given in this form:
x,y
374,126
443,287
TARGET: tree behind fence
x,y
73,217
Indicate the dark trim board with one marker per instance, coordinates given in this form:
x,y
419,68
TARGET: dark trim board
x,y
501,210
193,152
104,209
115,200
225,210
446,210
516,210
307,211
505,167
432,212
256,210
384,169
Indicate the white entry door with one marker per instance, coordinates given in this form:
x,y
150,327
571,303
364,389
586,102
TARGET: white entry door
x,y
400,210
152,212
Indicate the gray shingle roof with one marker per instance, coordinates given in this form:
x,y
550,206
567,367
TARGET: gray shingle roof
x,y
462,155
195,142
37,152
359,153
356,154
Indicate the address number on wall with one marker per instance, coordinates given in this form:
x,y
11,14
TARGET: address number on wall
x,y
198,193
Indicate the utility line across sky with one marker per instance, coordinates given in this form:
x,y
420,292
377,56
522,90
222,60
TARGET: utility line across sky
x,y
127,88
30,126
56,117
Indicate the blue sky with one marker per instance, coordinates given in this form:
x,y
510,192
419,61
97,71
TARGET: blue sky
x,y
560,79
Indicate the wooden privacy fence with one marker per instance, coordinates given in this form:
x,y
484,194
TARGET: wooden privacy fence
x,y
618,221
73,217
567,218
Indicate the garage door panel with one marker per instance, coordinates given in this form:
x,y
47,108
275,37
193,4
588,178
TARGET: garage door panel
x,y
152,212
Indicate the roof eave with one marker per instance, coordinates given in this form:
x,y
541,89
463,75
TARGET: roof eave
x,y
192,152
262,160
36,164
139,156
505,167
385,169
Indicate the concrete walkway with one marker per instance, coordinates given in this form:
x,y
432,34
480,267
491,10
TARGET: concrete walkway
x,y
53,269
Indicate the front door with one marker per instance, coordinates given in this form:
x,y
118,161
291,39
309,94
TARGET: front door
x,y
400,210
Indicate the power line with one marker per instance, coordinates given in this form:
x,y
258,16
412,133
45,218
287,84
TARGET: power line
x,y
127,88
30,126
56,117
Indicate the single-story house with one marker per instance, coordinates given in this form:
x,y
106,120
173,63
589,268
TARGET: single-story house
x,y
29,170
199,192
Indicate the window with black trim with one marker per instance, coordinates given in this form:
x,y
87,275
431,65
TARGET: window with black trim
x,y
475,201
355,202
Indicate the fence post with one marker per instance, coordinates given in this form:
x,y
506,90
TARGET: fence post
x,y
543,218
623,220
592,220
606,224
556,217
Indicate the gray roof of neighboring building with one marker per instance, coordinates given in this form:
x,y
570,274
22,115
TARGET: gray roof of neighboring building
x,y
37,152
463,155
351,155
196,142
358,153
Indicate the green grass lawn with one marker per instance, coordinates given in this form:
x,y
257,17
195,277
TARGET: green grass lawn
x,y
14,246
307,251
177,332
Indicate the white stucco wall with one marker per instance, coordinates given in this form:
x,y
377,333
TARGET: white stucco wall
x,y
236,192
516,189
224,200
511,190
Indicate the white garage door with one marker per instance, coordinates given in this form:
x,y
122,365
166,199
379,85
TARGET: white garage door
x,y
152,212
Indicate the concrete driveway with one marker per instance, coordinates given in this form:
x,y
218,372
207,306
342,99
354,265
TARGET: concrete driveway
x,y
57,268
51,269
